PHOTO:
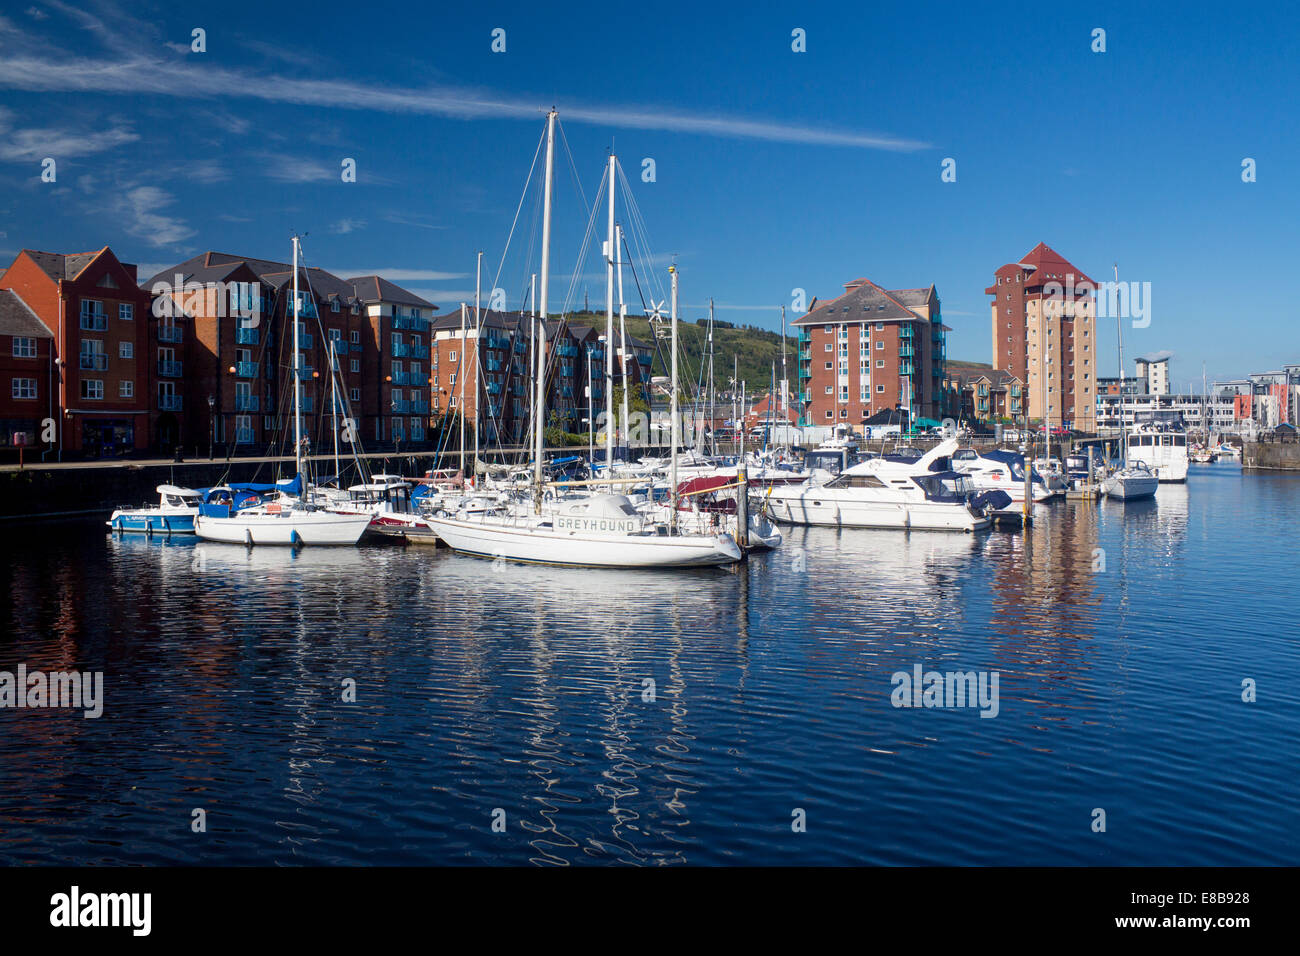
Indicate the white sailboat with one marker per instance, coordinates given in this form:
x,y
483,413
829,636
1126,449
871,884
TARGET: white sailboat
x,y
1133,480
593,530
286,520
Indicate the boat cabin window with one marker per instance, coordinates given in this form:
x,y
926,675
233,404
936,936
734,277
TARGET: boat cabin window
x,y
856,481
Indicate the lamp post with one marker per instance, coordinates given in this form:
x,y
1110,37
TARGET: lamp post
x,y
212,424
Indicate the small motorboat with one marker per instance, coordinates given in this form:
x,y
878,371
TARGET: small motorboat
x,y
174,513
1133,482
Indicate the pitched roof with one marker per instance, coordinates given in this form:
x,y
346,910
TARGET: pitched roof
x,y
217,266
862,301
17,319
374,289
1047,265
59,265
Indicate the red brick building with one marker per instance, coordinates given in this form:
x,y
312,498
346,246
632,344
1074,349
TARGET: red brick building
x,y
871,349
1043,321
26,376
98,318
396,363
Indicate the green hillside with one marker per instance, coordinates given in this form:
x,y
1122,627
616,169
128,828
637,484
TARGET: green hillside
x,y
754,349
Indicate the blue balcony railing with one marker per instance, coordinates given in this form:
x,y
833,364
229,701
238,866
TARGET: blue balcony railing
x,y
242,336
568,351
94,361
169,403
169,369
401,350
308,404
94,321
170,333
399,408
410,323
493,388
244,436
419,407
247,403
246,369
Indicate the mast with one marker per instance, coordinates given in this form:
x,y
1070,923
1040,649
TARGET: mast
x,y
460,371
541,322
297,375
1119,328
478,343
785,378
622,322
334,403
713,440
532,330
609,328
672,417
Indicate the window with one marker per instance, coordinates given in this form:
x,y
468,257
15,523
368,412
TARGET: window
x,y
829,413
829,366
356,365
24,348
453,378
844,412
829,347
126,350
880,363
354,394
829,390
92,315
24,388
334,304
354,337
92,388
126,389
880,326
451,357
880,344
125,311
880,388
92,355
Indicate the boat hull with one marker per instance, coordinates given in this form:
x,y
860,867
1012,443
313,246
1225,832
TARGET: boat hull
x,y
311,528
152,522
1130,489
572,549
821,508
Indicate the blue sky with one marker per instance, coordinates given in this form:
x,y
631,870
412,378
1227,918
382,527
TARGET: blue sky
x,y
775,170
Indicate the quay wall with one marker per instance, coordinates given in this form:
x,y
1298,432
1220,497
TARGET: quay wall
x,y
1281,456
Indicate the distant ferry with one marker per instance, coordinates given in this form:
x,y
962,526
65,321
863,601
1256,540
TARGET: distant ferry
x,y
1162,448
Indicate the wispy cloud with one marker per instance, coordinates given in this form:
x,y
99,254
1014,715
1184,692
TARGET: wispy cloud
x,y
131,72
36,13
141,208
296,169
33,144
407,221
345,226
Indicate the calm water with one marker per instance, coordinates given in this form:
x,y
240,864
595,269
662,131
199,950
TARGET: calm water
x,y
523,690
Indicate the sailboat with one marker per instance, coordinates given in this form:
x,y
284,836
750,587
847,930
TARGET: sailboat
x,y
1133,480
287,519
592,530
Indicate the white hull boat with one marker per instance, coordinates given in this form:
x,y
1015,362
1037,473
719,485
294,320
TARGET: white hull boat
x,y
287,526
597,531
880,493
1131,484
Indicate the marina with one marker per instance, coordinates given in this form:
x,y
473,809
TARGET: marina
x,y
525,687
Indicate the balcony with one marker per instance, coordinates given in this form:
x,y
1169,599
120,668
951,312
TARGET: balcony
x,y
304,339
905,332
568,351
410,323
340,347
402,378
494,365
170,403
493,388
242,336
401,350
305,373
399,408
308,404
244,436
94,361
419,407
172,333
906,368
497,342
94,321
566,371
906,351
247,403
246,369
520,347
169,369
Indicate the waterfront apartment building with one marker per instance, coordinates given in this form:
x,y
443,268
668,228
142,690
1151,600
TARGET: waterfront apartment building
x,y
1044,333
97,317
871,349
26,376
985,395
394,401
224,343
481,369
